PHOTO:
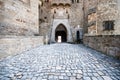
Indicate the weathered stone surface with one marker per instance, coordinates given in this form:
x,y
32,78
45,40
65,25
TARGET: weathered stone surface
x,y
106,44
98,12
14,45
19,17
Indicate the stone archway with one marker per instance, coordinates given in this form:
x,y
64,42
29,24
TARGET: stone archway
x,y
61,32
55,24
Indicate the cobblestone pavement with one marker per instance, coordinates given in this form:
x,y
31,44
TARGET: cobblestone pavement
x,y
60,62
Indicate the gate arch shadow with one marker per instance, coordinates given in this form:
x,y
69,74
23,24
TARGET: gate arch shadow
x,y
62,32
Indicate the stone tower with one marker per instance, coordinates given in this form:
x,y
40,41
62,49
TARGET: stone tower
x,y
61,18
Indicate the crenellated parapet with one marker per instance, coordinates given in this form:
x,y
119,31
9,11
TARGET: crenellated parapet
x,y
60,2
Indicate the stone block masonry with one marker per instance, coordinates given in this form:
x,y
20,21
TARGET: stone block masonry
x,y
19,17
109,44
14,45
19,20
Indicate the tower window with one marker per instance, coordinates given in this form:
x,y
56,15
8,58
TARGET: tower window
x,y
108,25
72,1
45,17
54,11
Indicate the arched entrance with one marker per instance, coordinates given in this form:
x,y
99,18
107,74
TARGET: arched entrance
x,y
61,33
66,28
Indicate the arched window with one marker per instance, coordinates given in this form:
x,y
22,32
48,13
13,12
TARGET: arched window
x,y
66,11
72,1
54,11
68,16
77,1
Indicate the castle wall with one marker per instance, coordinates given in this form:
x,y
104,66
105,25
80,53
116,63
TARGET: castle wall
x,y
19,17
54,10
18,26
104,40
107,11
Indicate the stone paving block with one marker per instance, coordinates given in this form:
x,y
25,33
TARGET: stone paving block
x,y
60,61
94,78
68,74
107,78
34,78
73,78
87,78
79,76
100,73
39,78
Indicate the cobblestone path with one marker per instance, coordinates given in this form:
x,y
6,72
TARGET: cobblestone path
x,y
60,62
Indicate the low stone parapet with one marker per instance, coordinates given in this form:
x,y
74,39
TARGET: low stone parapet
x,y
12,45
108,44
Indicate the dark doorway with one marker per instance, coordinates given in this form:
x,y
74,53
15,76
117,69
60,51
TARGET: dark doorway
x,y
61,31
62,34
78,35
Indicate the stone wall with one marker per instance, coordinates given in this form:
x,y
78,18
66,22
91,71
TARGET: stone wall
x,y
89,5
76,14
19,23
19,17
108,44
15,45
44,19
118,19
107,10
